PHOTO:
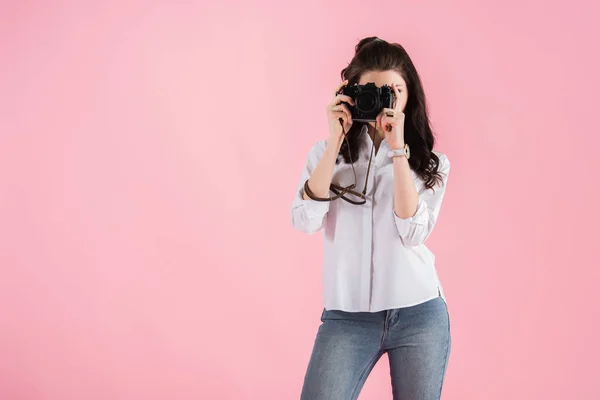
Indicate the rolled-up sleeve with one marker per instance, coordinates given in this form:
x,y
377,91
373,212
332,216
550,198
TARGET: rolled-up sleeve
x,y
308,215
415,230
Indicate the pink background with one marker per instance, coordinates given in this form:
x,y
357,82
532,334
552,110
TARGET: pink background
x,y
149,152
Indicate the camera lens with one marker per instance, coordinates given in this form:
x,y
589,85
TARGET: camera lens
x,y
366,101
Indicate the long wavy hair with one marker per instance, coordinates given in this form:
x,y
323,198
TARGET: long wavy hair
x,y
374,54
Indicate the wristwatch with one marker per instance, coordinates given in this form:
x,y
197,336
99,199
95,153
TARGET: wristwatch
x,y
400,152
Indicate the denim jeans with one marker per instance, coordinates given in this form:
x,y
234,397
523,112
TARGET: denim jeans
x,y
349,344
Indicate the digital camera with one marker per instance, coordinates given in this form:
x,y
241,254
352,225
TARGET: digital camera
x,y
369,100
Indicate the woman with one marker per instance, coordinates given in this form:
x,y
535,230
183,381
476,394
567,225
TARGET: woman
x,y
381,290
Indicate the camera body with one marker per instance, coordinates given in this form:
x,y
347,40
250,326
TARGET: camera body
x,y
369,100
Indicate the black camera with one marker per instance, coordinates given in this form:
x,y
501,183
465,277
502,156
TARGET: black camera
x,y
369,100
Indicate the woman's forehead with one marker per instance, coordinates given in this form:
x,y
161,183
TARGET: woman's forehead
x,y
381,78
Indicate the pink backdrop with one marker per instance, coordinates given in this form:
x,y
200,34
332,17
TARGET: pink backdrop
x,y
149,152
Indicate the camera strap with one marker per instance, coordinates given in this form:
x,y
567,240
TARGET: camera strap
x,y
340,191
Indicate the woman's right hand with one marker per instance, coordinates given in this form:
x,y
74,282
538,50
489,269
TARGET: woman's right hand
x,y
337,110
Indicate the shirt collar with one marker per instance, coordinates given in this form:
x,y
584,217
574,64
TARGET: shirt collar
x,y
366,139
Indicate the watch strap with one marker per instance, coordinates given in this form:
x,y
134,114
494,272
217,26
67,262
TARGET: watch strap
x,y
405,151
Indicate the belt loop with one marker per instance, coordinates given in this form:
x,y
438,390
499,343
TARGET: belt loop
x,y
385,322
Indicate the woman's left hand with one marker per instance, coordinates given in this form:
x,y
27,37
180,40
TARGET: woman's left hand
x,y
393,125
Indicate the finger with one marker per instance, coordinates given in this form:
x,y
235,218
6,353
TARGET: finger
x,y
397,114
390,120
341,115
340,107
397,93
336,114
383,115
342,97
344,108
347,116
385,120
388,123
389,112
341,85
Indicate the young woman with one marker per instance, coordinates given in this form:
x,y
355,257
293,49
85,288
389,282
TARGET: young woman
x,y
381,290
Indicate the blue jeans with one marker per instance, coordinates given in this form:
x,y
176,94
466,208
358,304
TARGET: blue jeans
x,y
348,344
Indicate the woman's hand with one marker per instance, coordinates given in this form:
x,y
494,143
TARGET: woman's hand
x,y
391,120
335,111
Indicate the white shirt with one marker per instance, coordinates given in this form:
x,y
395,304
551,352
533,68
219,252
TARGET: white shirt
x,y
373,259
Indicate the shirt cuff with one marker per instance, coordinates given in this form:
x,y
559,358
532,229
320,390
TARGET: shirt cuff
x,y
315,209
420,217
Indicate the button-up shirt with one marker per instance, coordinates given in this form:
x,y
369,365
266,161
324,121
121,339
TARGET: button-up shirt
x,y
373,260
